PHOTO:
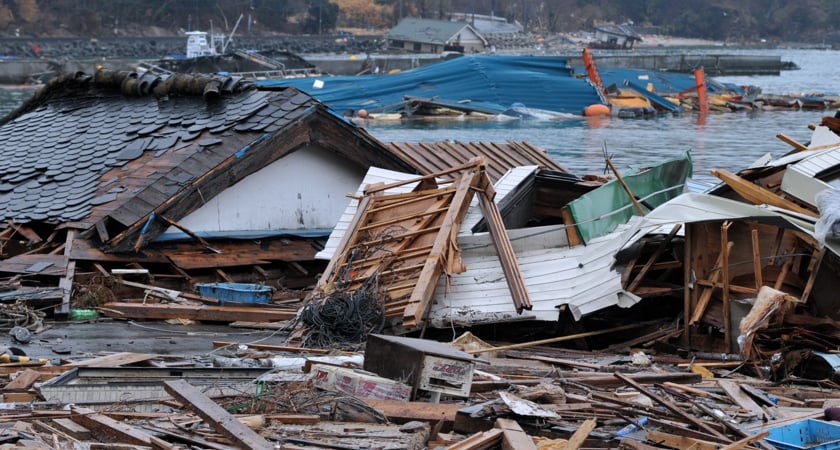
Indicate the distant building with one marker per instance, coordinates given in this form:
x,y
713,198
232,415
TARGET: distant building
x,y
435,36
487,24
622,36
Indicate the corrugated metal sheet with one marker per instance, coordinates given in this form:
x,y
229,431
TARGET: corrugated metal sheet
x,y
580,277
431,158
536,82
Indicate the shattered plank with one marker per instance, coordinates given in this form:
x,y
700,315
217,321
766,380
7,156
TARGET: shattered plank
x,y
655,256
219,419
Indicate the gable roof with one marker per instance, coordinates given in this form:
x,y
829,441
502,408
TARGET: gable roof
x,y
429,31
114,150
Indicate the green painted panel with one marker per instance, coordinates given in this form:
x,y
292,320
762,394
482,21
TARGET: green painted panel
x,y
602,210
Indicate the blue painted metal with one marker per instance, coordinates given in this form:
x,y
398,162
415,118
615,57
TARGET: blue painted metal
x,y
492,83
657,100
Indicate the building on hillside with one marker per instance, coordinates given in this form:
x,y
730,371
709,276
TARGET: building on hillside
x,y
435,36
622,36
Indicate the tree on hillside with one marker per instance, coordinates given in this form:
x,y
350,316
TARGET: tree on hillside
x,y
28,10
362,14
322,16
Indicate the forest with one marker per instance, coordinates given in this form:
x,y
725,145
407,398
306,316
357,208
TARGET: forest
x,y
725,20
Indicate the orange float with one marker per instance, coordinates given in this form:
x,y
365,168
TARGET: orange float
x,y
596,110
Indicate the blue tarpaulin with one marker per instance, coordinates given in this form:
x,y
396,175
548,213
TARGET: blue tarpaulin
x,y
494,82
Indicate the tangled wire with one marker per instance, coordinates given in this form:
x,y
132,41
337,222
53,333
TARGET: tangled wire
x,y
344,318
20,315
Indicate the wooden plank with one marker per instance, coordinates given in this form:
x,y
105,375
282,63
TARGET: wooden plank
x,y
114,360
276,348
216,416
23,381
399,411
500,238
513,436
72,428
479,441
107,429
199,312
727,310
741,398
572,233
580,435
757,194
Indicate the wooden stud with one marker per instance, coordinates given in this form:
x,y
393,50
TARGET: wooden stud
x,y
756,248
724,251
706,296
656,254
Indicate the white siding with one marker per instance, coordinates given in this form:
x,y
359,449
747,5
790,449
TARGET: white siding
x,y
305,190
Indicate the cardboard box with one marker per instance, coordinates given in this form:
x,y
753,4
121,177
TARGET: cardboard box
x,y
358,383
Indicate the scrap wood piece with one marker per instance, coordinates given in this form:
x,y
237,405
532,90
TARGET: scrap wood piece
x,y
110,430
197,312
759,195
479,441
580,435
113,360
741,399
23,381
216,416
400,411
513,436
670,406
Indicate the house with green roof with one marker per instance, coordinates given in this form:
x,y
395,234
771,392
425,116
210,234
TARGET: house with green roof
x,y
435,36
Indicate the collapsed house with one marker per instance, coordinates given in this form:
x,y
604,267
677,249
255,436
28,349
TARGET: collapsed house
x,y
178,179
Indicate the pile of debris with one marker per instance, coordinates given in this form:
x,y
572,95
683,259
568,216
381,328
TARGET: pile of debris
x,y
622,311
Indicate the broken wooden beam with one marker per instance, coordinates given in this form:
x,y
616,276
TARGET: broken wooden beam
x,y
216,416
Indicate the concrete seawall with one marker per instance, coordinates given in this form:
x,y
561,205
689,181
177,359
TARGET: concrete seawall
x,y
21,71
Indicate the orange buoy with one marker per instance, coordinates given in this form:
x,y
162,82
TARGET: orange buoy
x,y
596,110
362,113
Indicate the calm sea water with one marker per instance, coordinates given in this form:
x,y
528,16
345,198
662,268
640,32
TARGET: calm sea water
x,y
719,140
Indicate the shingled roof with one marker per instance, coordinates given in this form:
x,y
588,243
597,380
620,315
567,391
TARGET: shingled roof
x,y
113,149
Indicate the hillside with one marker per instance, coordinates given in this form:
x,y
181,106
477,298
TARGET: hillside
x,y
736,21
